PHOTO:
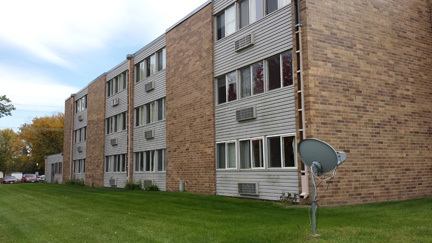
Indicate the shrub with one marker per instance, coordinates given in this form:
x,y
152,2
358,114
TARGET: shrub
x,y
133,186
75,182
152,188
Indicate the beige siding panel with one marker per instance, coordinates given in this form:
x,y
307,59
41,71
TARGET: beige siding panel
x,y
273,35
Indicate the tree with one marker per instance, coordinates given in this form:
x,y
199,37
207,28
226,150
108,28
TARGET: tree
x,y
10,151
5,106
44,136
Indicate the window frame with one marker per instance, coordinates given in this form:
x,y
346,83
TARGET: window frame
x,y
226,155
282,155
251,164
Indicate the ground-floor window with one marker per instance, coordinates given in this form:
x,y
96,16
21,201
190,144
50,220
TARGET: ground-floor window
x,y
150,161
116,163
267,152
79,166
226,155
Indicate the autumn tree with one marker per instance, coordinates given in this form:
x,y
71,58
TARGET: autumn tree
x,y
10,151
5,106
44,136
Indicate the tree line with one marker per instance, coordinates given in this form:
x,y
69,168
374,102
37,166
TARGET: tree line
x,y
25,150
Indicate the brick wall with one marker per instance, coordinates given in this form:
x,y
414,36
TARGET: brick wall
x,y
95,132
67,140
369,93
190,104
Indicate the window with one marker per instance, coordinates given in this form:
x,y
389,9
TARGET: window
x,y
274,74
244,13
57,167
258,78
150,161
281,151
251,154
232,86
221,89
226,22
226,155
271,5
151,112
79,166
80,135
140,71
117,84
161,56
151,65
256,10
161,157
81,104
245,82
249,11
254,78
287,72
116,123
227,87
139,161
161,109
116,163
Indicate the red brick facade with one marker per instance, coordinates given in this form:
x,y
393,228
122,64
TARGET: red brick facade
x,y
368,77
68,136
190,104
95,132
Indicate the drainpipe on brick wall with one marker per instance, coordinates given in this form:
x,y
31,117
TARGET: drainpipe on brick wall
x,y
304,177
71,136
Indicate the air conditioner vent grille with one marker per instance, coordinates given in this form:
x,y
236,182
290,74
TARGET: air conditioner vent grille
x,y
149,134
149,86
245,42
248,189
246,114
114,141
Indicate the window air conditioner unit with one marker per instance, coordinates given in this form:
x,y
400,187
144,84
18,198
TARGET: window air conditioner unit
x,y
246,114
79,149
149,134
113,182
248,189
114,141
80,118
245,42
147,183
149,86
115,102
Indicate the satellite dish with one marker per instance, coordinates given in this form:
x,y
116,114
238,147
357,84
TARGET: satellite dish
x,y
320,158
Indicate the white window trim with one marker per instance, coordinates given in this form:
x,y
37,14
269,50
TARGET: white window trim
x,y
281,151
226,155
251,153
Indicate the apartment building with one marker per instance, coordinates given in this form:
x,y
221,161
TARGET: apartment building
x,y
219,102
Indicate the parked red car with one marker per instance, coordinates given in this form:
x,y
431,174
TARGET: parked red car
x,y
10,180
29,178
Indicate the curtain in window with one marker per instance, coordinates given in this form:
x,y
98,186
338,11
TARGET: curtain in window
x,y
231,155
245,155
245,79
220,155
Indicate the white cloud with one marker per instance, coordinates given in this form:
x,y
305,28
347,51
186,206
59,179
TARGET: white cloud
x,y
53,30
33,90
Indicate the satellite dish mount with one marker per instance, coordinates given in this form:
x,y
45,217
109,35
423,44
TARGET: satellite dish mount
x,y
320,158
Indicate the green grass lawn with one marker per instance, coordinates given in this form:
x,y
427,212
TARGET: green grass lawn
x,y
62,213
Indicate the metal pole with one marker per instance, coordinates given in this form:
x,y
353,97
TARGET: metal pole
x,y
313,203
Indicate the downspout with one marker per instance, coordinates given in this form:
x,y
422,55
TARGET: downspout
x,y
300,92
71,137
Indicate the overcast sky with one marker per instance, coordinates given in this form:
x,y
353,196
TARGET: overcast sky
x,y
50,49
